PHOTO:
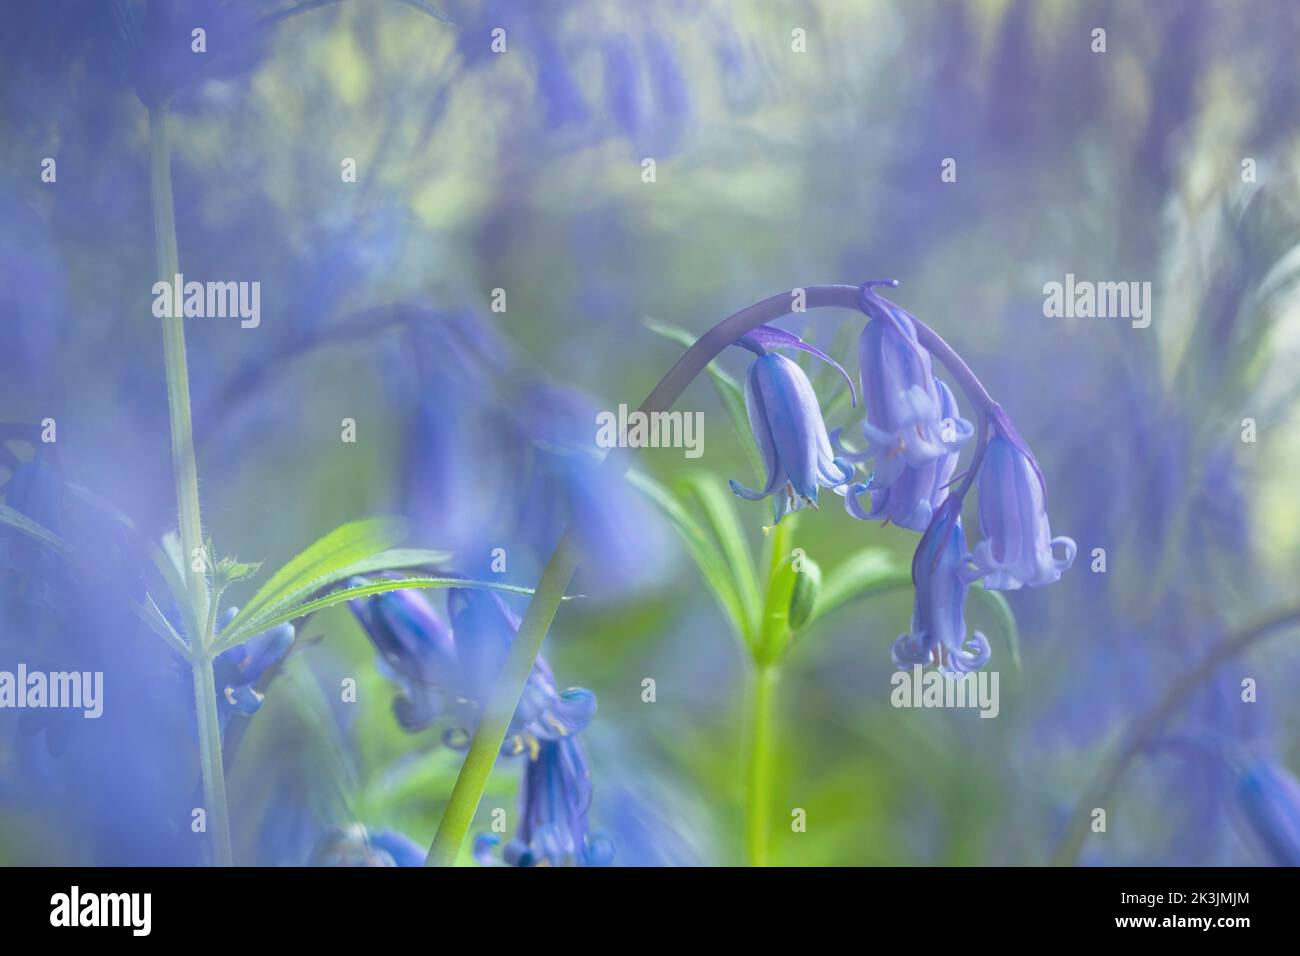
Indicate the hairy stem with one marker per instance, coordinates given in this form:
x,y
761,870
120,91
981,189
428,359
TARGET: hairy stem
x,y
758,793
491,730
187,488
214,780
1149,724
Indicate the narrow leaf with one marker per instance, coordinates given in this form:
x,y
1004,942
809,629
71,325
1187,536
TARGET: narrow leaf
x,y
232,635
720,511
706,555
870,571
326,561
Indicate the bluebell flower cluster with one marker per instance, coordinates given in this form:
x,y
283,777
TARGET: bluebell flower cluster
x,y
913,433
444,672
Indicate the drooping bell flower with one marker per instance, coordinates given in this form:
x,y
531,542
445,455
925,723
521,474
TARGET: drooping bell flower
x,y
787,424
906,424
485,628
911,499
1017,548
554,800
416,652
237,669
1270,797
940,577
449,671
356,845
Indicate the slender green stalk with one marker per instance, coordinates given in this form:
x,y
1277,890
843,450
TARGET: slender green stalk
x,y
491,731
758,794
214,779
178,375
774,628
492,727
187,488
1145,728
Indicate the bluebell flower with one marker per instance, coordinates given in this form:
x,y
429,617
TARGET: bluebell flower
x,y
911,499
906,424
788,428
553,804
1017,548
484,629
416,652
356,845
1270,797
237,670
940,576
449,671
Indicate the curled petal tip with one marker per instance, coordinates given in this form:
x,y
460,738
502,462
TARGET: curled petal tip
x,y
972,656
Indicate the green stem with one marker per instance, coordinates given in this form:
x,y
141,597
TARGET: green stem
x,y
500,710
758,794
214,779
187,488
1149,724
491,731
774,629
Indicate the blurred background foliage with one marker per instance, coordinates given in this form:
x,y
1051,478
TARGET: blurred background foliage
x,y
774,169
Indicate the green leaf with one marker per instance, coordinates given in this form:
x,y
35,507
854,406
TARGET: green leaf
x,y
327,561
279,614
867,572
720,510
703,551
228,570
1005,617
16,519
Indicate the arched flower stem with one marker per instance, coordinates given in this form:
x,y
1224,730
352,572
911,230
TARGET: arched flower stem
x,y
491,731
500,707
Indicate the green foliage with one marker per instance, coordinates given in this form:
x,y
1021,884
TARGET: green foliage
x,y
867,572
